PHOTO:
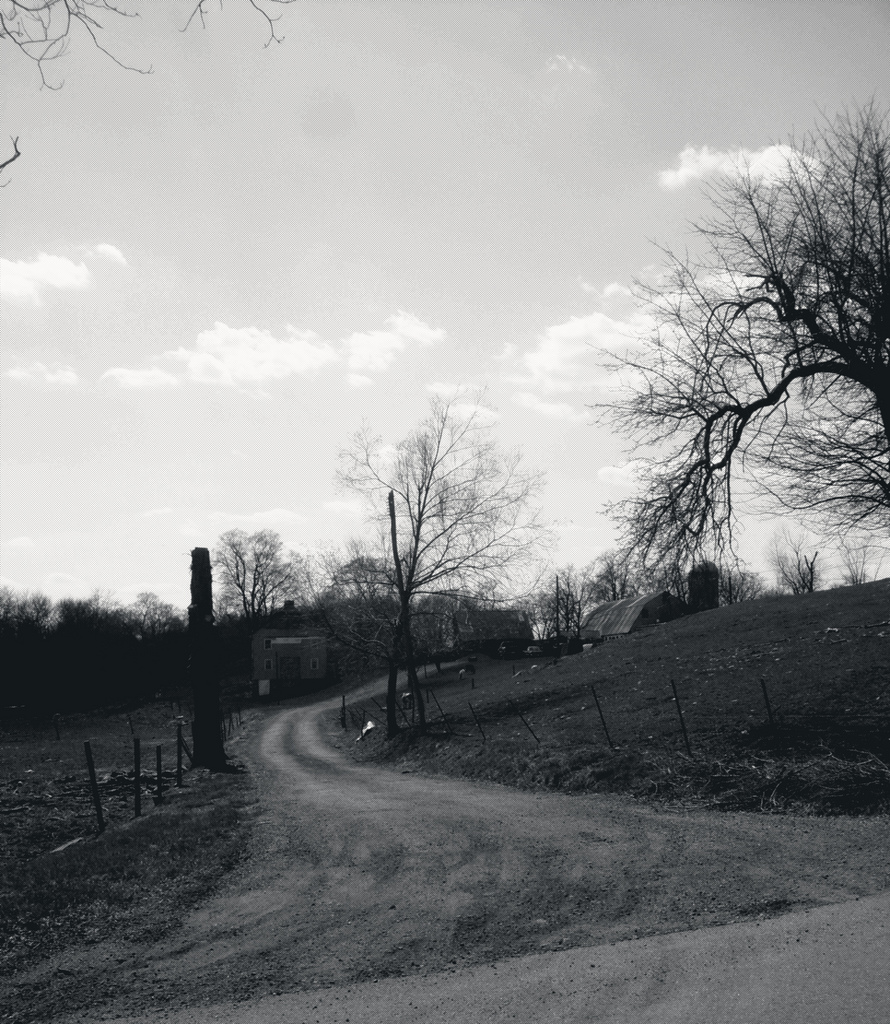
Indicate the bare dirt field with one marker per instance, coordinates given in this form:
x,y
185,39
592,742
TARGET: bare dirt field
x,y
361,874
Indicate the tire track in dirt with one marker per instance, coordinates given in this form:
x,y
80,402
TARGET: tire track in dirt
x,y
358,872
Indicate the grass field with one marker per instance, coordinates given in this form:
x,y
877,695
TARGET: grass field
x,y
823,658
137,877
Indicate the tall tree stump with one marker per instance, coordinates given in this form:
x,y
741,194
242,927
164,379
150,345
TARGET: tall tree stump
x,y
206,731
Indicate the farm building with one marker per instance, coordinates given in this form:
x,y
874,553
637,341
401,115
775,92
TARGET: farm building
x,y
485,629
287,660
617,618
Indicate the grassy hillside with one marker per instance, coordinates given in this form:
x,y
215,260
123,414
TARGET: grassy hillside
x,y
823,658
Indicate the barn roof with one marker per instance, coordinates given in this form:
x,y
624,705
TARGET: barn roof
x,y
620,616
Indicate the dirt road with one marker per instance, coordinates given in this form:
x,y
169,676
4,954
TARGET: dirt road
x,y
364,875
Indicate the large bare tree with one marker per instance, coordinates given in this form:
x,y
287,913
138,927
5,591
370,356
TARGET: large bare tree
x,y
255,572
43,29
451,507
769,361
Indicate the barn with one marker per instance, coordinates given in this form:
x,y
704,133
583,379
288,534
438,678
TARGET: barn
x,y
618,618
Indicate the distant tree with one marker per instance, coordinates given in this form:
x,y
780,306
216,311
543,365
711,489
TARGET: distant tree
x,y
860,562
255,573
452,510
770,351
93,654
26,623
26,612
562,605
739,584
795,569
613,576
359,606
671,574
153,617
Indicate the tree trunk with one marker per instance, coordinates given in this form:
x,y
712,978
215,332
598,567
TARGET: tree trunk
x,y
410,666
405,617
206,731
392,726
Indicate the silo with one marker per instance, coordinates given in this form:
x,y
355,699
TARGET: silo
x,y
704,586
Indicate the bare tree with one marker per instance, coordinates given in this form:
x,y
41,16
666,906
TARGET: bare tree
x,y
795,569
613,576
771,351
739,584
359,606
560,607
254,571
451,507
43,29
153,617
860,562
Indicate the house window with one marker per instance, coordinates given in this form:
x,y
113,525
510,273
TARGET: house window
x,y
267,644
313,663
267,664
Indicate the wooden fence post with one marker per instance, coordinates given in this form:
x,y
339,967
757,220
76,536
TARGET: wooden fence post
x,y
160,790
94,786
179,755
137,778
769,709
343,711
602,717
682,723
530,729
441,712
478,724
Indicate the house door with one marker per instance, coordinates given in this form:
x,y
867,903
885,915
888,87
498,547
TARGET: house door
x,y
289,669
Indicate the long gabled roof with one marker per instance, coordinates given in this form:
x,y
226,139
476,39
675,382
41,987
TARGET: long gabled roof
x,y
620,616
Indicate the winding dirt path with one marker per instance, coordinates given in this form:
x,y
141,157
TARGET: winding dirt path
x,y
360,878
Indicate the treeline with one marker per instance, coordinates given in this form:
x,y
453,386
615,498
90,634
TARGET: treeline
x,y
77,653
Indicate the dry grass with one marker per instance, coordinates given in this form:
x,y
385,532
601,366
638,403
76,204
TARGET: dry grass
x,y
136,878
824,659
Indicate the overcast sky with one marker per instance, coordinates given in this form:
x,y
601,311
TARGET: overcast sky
x,y
212,274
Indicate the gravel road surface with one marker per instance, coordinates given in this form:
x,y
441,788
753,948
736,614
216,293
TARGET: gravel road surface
x,y
370,895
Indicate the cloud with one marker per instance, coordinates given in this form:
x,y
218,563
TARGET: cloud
x,y
560,62
565,359
375,350
40,373
19,543
24,281
150,513
553,410
110,252
621,476
695,164
245,356
248,355
152,377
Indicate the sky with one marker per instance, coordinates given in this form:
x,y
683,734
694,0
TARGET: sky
x,y
214,274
